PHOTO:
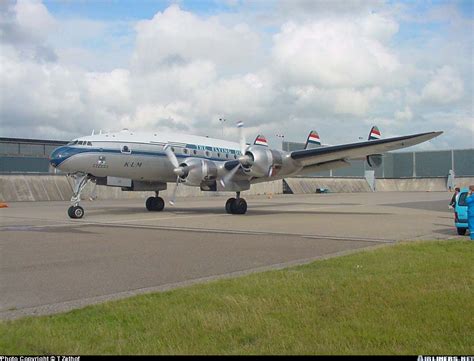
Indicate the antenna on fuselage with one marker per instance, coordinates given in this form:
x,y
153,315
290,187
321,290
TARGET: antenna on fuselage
x,y
93,131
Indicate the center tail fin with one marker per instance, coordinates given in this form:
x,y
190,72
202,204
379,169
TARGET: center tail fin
x,y
313,140
374,160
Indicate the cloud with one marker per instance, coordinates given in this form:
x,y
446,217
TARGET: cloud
x,y
336,52
404,115
24,27
33,17
445,87
177,37
323,65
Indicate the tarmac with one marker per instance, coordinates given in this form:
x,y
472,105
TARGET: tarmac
x,y
50,263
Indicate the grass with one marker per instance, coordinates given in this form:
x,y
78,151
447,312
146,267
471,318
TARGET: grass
x,y
411,298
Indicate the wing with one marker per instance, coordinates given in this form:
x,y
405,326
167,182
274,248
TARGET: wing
x,y
345,152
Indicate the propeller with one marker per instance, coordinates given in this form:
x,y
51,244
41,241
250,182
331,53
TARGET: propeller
x,y
172,201
178,170
243,159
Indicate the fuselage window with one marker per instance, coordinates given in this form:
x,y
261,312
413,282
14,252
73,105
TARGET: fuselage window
x,y
227,156
126,149
195,152
207,153
172,149
235,156
185,151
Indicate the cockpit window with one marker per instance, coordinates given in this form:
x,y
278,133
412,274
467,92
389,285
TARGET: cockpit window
x,y
89,143
73,142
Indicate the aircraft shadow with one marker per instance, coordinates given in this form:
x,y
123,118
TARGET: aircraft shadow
x,y
203,211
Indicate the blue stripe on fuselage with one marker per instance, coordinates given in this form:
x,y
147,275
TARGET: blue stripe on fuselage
x,y
68,152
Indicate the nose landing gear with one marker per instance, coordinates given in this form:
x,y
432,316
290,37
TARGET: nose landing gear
x,y
75,211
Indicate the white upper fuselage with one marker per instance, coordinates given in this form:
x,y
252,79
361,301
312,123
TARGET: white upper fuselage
x,y
138,155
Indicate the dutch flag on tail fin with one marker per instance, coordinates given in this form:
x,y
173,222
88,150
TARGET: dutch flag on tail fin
x,y
313,140
261,140
374,133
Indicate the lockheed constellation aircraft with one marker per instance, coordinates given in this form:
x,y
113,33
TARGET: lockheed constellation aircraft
x,y
148,161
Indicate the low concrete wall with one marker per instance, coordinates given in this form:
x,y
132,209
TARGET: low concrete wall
x,y
419,184
335,185
20,188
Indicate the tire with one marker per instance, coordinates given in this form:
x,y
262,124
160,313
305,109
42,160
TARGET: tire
x,y
158,204
78,212
155,204
70,212
461,231
239,206
148,203
228,205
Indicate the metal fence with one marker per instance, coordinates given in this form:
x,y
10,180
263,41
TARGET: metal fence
x,y
406,164
31,155
26,155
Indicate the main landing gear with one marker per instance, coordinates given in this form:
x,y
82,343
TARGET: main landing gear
x,y
75,210
236,205
155,204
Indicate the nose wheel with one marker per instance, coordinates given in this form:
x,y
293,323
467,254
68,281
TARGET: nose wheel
x,y
75,212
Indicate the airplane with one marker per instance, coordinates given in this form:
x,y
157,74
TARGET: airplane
x,y
148,161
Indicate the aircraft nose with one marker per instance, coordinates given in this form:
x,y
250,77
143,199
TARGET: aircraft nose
x,y
57,156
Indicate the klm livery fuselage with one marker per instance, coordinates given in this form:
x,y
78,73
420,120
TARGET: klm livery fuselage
x,y
139,156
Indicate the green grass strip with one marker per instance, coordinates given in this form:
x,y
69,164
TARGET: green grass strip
x,y
410,298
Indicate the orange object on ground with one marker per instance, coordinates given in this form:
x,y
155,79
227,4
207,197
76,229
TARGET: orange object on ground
x,y
3,205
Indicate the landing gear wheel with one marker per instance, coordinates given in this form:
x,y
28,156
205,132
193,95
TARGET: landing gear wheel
x,y
155,204
70,212
228,205
236,206
75,212
462,231
239,206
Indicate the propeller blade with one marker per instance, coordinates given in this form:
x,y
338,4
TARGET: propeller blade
x,y
226,178
270,172
171,156
243,144
172,201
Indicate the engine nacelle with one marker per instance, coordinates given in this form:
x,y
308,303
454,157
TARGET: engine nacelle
x,y
198,171
374,160
262,160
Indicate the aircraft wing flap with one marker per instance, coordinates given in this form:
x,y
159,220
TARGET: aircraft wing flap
x,y
358,150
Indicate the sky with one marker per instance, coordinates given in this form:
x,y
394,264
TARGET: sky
x,y
68,67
